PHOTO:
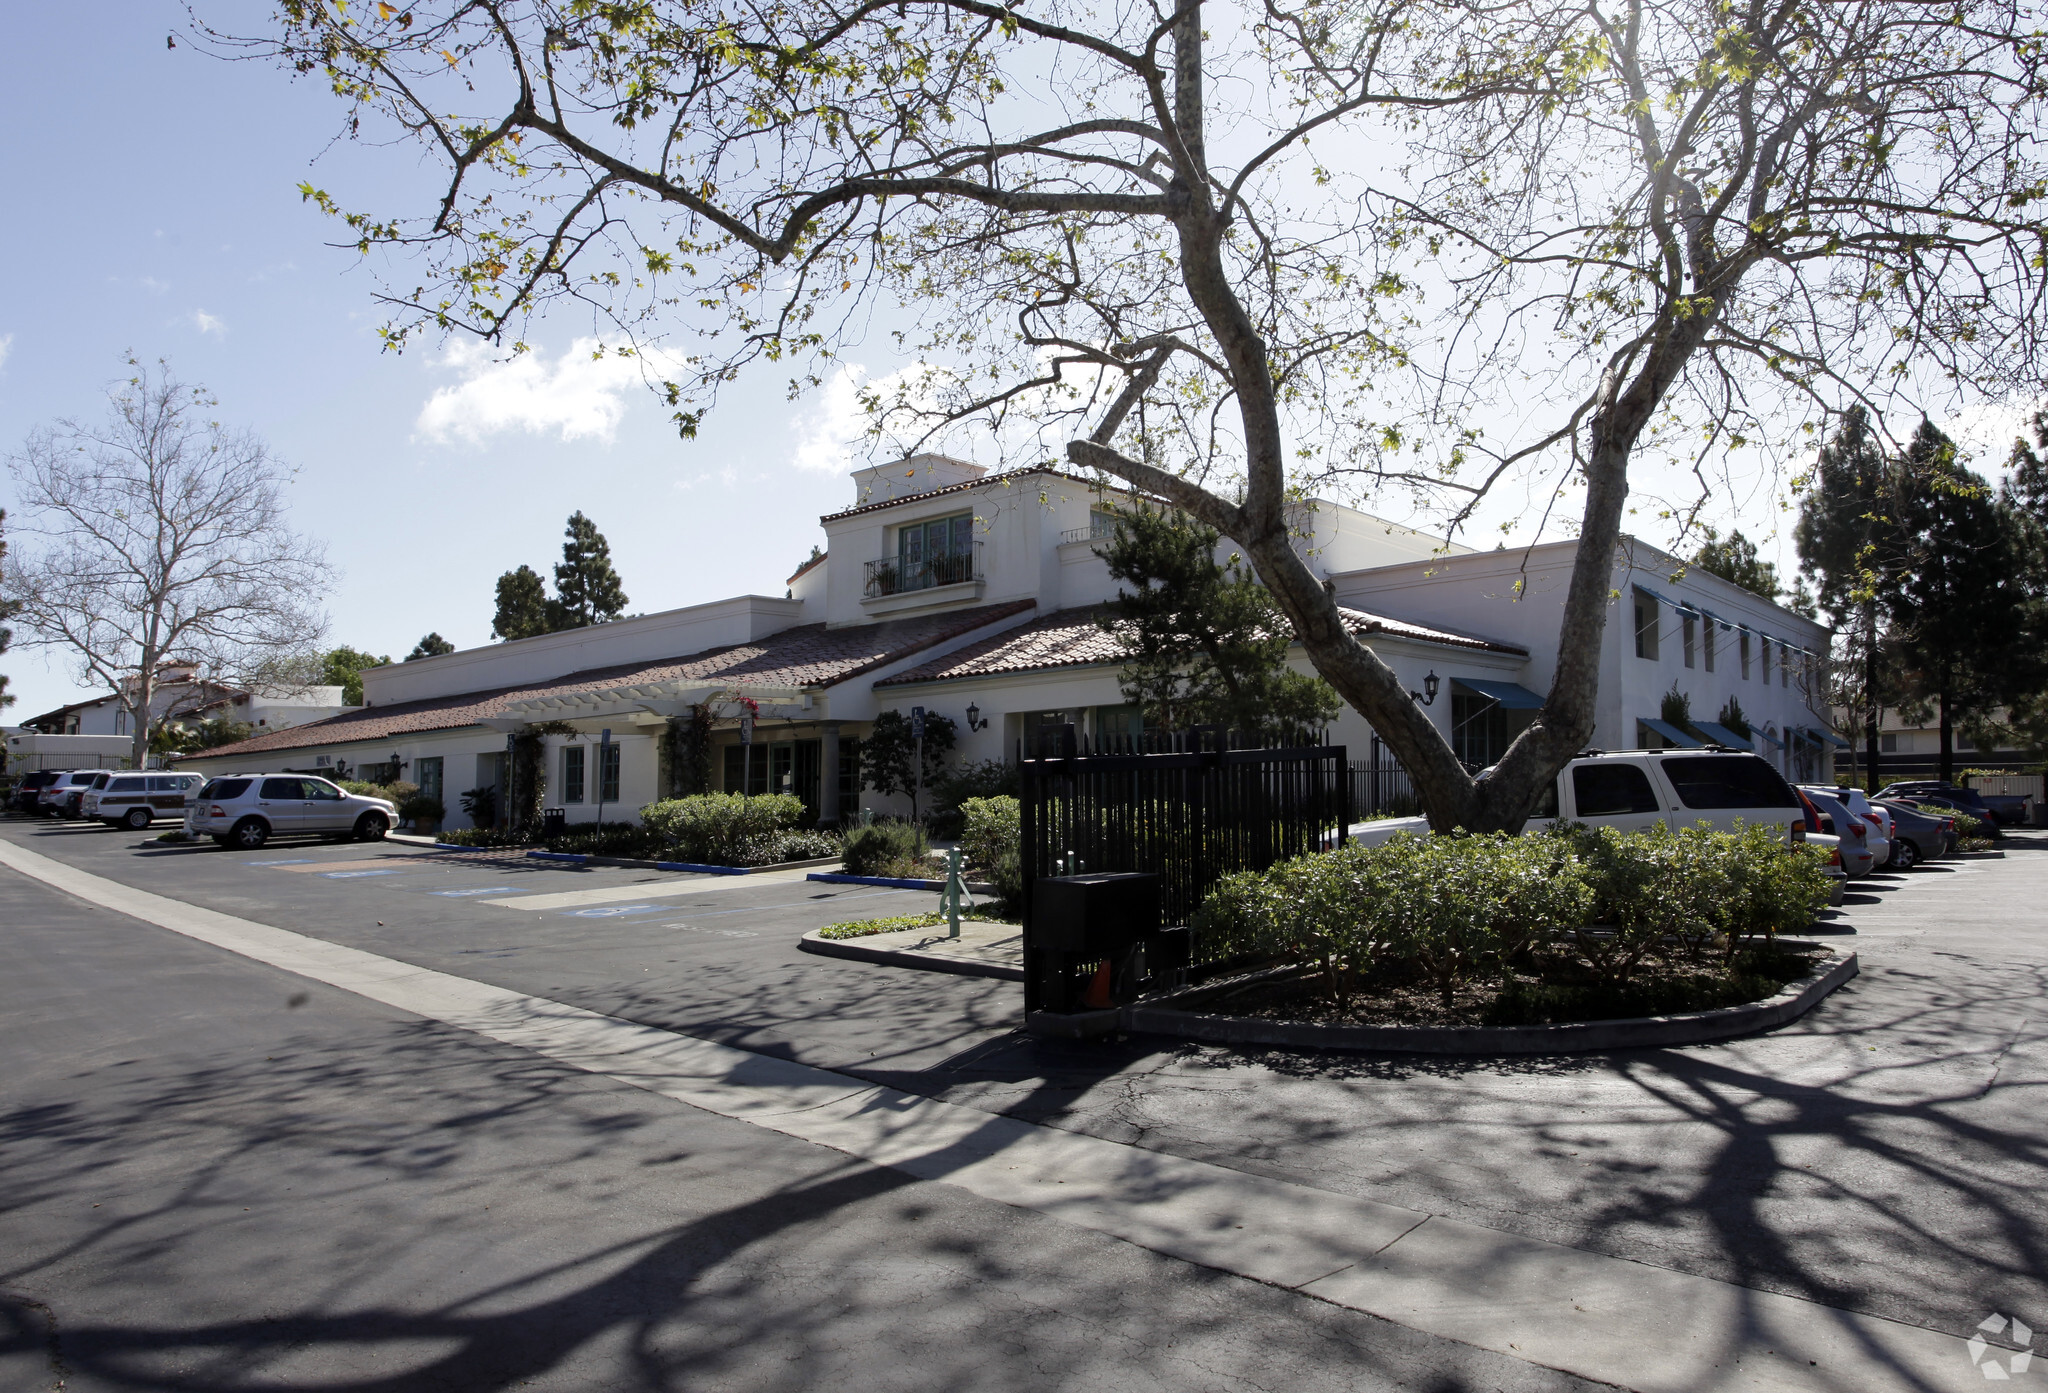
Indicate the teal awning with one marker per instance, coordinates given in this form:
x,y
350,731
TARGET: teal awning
x,y
1511,696
1672,733
1720,734
1828,735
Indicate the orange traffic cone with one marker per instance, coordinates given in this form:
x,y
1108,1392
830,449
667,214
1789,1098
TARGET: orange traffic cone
x,y
1096,998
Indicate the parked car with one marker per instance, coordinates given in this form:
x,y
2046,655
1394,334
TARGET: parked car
x,y
1943,805
26,793
1863,848
246,810
134,800
1998,809
61,799
1917,834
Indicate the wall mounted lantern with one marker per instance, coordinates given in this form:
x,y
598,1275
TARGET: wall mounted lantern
x,y
974,719
1429,685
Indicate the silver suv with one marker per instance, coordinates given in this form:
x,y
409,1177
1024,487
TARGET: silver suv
x,y
62,798
247,810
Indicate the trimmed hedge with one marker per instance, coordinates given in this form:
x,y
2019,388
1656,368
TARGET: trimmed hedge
x,y
725,829
1595,903
888,848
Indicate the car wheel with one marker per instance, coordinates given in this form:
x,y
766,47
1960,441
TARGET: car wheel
x,y
371,827
137,819
1904,855
249,834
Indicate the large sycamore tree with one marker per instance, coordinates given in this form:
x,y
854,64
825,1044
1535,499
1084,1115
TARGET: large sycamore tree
x,y
1227,254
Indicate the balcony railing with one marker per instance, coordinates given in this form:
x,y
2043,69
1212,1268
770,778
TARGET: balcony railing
x,y
893,576
1097,530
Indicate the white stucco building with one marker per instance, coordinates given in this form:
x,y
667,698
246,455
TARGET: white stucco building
x,y
973,595
98,734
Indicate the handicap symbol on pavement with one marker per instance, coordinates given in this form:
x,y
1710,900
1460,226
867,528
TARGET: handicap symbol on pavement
x,y
608,911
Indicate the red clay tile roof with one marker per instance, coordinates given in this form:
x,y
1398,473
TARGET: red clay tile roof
x,y
1071,638
982,482
809,655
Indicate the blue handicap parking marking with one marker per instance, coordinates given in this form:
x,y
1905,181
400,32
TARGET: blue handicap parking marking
x,y
613,911
479,890
354,875
296,861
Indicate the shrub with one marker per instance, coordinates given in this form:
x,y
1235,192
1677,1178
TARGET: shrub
x,y
397,791
970,782
989,831
723,829
627,840
423,807
887,848
1458,909
799,846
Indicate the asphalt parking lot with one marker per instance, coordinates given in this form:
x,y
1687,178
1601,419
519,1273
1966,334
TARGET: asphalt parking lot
x,y
1885,1154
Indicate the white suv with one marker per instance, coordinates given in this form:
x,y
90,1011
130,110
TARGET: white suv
x,y
1636,789
247,810
132,800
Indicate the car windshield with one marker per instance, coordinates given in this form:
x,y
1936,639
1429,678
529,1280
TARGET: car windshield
x,y
1727,781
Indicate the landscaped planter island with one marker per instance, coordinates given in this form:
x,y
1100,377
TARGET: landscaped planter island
x,y
1571,939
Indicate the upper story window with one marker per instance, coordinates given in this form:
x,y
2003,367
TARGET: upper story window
x,y
1743,644
938,552
1690,624
1707,642
1646,626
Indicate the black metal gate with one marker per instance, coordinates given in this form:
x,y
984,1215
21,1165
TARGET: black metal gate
x,y
1189,810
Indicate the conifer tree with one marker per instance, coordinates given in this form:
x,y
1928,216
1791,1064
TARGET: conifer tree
x,y
1850,543
1959,601
432,646
1203,641
524,609
1733,558
587,589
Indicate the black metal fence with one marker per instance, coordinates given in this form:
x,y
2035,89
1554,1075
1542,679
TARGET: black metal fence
x,y
1187,808
1380,787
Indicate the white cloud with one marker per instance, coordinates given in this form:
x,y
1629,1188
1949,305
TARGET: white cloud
x,y
6,347
576,395
834,424
208,324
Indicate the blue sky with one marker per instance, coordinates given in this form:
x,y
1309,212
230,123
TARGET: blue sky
x,y
154,207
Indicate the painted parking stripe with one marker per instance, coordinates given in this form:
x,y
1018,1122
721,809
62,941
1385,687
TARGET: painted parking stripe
x,y
298,861
697,885
479,890
357,875
1605,1318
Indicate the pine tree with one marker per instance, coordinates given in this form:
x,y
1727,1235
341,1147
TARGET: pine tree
x,y
1203,642
343,667
1850,543
1734,559
524,609
586,586
432,646
1959,602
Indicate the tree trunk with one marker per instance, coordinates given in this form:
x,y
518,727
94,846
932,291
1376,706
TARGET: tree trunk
x,y
1871,711
145,698
1947,769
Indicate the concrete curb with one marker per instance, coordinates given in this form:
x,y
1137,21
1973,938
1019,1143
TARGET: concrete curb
x,y
585,859
974,887
856,951
1692,1028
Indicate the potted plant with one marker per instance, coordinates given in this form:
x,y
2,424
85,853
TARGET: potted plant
x,y
424,811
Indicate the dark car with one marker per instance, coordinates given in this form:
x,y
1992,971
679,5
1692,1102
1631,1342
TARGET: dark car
x,y
1999,809
1918,834
1942,804
23,798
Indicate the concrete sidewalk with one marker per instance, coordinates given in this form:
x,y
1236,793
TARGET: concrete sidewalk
x,y
983,949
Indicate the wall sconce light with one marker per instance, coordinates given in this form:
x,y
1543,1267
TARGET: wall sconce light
x,y
974,718
1429,685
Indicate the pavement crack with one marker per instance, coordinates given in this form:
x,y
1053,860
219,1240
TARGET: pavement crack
x,y
52,1341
